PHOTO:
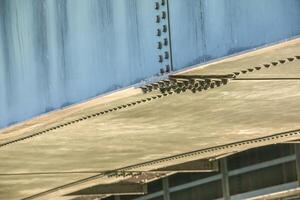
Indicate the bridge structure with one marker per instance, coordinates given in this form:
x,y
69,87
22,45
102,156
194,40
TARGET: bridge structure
x,y
226,130
149,99
57,53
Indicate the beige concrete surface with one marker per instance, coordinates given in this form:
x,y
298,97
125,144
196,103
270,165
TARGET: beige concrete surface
x,y
156,129
161,128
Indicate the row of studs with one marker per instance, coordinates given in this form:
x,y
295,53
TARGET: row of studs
x,y
178,86
137,102
268,139
268,65
182,85
162,33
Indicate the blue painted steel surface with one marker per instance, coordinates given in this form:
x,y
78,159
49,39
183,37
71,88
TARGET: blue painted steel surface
x,y
58,52
207,29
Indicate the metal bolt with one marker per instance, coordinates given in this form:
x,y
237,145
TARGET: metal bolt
x,y
165,28
158,32
166,55
196,85
149,87
157,5
199,89
218,83
144,89
282,61
257,68
291,59
186,82
207,81
178,90
157,19
167,82
168,68
161,83
169,89
224,81
201,82
163,15
160,58
206,86
180,83
155,85
166,42
159,45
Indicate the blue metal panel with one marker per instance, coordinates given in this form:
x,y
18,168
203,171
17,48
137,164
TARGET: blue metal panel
x,y
57,52
206,29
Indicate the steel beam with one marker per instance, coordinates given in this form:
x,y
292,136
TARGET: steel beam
x,y
225,179
120,188
166,189
203,165
297,153
292,194
90,197
117,197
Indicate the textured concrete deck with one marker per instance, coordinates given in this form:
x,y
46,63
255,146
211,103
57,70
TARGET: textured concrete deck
x,y
171,125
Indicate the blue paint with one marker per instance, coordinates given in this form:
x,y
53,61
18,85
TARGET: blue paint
x,y
207,29
57,52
